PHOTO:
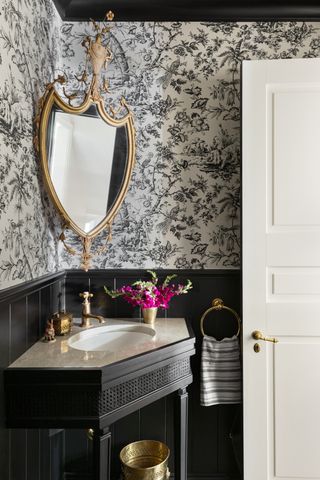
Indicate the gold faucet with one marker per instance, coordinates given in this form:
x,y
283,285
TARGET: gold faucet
x,y
86,311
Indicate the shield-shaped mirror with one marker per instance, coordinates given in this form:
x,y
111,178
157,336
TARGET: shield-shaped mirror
x,y
87,155
87,158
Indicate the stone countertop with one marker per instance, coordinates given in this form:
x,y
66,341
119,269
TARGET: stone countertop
x,y
60,354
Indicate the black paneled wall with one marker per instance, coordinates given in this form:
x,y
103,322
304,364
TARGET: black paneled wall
x,y
211,451
24,310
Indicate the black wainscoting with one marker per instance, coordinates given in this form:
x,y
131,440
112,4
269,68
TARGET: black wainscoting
x,y
24,310
211,451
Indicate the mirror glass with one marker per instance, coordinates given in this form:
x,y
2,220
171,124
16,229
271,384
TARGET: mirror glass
x,y
87,162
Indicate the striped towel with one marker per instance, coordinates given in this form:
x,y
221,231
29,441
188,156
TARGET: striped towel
x,y
220,371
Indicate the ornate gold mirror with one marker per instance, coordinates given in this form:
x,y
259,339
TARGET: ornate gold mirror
x,y
87,153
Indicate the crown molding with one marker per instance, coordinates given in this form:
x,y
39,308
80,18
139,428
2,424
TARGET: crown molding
x,y
187,10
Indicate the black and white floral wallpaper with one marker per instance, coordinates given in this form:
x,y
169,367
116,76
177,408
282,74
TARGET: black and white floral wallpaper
x,y
182,81
29,51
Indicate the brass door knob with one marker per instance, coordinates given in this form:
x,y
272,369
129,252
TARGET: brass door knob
x,y
259,336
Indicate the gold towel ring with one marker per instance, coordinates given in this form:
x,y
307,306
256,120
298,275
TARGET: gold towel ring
x,y
217,304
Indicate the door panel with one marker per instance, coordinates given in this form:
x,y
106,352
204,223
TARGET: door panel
x,y
305,281
295,122
296,409
281,268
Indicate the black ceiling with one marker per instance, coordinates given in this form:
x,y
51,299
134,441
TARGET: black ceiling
x,y
190,10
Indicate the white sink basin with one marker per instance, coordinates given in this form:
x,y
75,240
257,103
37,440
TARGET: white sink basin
x,y
112,338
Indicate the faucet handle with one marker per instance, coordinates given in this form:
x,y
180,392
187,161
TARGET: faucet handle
x,y
86,295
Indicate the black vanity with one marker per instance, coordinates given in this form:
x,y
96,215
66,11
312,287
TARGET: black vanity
x,y
57,386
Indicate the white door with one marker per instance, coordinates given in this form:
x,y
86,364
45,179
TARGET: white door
x,y
281,268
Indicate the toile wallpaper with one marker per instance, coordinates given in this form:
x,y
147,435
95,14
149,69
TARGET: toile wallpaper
x,y
29,51
182,81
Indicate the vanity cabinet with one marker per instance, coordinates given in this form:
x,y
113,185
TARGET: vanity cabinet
x,y
56,386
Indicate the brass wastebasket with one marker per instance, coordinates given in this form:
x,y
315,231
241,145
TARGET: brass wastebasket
x,y
145,460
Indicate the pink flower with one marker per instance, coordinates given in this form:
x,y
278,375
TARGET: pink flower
x,y
148,294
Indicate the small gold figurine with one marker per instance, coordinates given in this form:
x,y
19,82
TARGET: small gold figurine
x,y
49,334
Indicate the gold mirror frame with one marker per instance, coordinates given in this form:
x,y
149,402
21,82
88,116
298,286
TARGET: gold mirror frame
x,y
93,97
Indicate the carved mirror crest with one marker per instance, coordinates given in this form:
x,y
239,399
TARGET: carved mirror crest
x,y
87,154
